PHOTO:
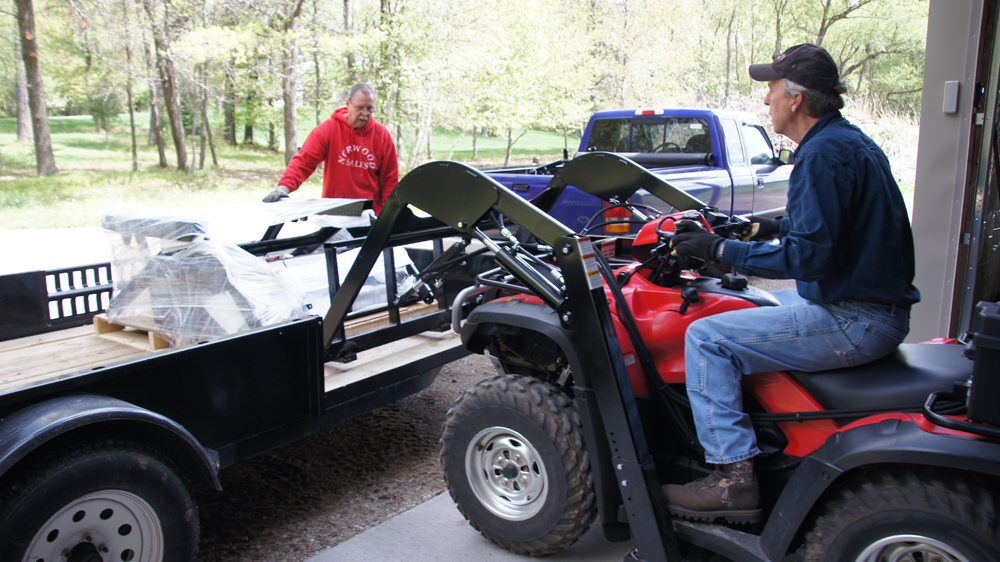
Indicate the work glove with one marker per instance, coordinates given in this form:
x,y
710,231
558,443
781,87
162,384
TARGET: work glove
x,y
694,241
370,215
763,229
278,193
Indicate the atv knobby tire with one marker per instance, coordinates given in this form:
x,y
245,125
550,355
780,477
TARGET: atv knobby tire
x,y
515,463
908,515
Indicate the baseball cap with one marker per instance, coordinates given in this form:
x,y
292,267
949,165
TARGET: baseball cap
x,y
806,64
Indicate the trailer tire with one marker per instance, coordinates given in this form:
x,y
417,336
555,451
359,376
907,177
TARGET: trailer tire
x,y
515,463
110,498
944,517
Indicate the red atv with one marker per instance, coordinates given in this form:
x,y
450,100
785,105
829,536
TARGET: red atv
x,y
897,460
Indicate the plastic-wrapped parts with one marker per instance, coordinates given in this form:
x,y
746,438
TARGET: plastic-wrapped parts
x,y
311,272
173,278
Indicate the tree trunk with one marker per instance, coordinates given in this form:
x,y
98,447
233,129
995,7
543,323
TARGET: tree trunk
x,y
201,146
290,56
46,162
194,129
156,111
864,65
248,135
475,149
510,146
418,141
451,153
24,133
352,73
128,90
729,56
779,12
430,133
172,102
206,131
168,75
229,111
319,89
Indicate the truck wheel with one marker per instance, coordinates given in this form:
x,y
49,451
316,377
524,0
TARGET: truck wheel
x,y
900,516
515,463
103,500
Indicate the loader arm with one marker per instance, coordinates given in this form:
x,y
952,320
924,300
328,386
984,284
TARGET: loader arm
x,y
461,197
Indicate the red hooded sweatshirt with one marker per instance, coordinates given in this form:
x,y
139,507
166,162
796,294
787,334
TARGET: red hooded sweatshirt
x,y
360,164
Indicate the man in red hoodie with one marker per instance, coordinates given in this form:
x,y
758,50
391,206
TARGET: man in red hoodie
x,y
359,154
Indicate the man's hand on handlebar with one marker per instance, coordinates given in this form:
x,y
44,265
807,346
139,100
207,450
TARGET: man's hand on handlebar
x,y
761,229
692,240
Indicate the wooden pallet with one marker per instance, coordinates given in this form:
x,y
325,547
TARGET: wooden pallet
x,y
136,337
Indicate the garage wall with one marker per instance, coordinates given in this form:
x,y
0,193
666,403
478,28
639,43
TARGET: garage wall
x,y
942,162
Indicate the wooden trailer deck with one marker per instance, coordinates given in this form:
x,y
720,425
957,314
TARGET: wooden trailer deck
x,y
34,359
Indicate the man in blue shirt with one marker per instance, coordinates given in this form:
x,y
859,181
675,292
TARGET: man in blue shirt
x,y
846,241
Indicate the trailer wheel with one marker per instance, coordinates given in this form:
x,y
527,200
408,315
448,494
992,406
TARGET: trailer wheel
x,y
906,517
515,463
102,500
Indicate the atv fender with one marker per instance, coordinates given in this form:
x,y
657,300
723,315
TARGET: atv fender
x,y
518,314
542,319
889,441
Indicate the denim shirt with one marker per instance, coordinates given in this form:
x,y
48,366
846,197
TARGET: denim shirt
x,y
847,236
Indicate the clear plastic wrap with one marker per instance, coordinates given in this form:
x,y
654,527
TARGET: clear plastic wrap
x,y
173,278
311,272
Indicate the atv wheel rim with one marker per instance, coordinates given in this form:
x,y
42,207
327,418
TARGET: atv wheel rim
x,y
910,548
506,473
110,525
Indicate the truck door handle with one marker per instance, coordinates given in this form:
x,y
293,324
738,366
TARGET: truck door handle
x,y
521,187
760,183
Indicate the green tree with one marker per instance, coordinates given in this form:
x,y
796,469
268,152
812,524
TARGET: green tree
x,y
44,158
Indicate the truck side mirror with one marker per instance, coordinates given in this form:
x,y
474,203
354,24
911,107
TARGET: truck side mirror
x,y
786,156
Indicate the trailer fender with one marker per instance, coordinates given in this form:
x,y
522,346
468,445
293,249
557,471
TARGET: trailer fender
x,y
33,426
891,441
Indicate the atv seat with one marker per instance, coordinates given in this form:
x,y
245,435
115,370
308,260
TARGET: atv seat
x,y
904,378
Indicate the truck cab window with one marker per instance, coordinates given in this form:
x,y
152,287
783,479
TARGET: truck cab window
x,y
758,145
688,134
649,135
611,135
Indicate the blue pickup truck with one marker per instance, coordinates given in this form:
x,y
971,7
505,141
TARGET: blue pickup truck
x,y
723,158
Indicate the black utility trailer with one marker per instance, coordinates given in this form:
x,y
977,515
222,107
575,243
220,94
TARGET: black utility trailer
x,y
99,439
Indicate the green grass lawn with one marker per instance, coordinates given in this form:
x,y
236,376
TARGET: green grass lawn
x,y
93,166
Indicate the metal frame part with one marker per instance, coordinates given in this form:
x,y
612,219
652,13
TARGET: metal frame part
x,y
462,197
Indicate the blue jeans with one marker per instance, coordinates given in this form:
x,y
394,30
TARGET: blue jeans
x,y
800,335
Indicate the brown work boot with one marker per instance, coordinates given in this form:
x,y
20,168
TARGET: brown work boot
x,y
731,492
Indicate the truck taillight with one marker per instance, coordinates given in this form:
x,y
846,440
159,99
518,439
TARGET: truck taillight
x,y
617,214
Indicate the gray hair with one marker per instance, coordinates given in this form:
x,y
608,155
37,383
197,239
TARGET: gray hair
x,y
818,104
361,87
